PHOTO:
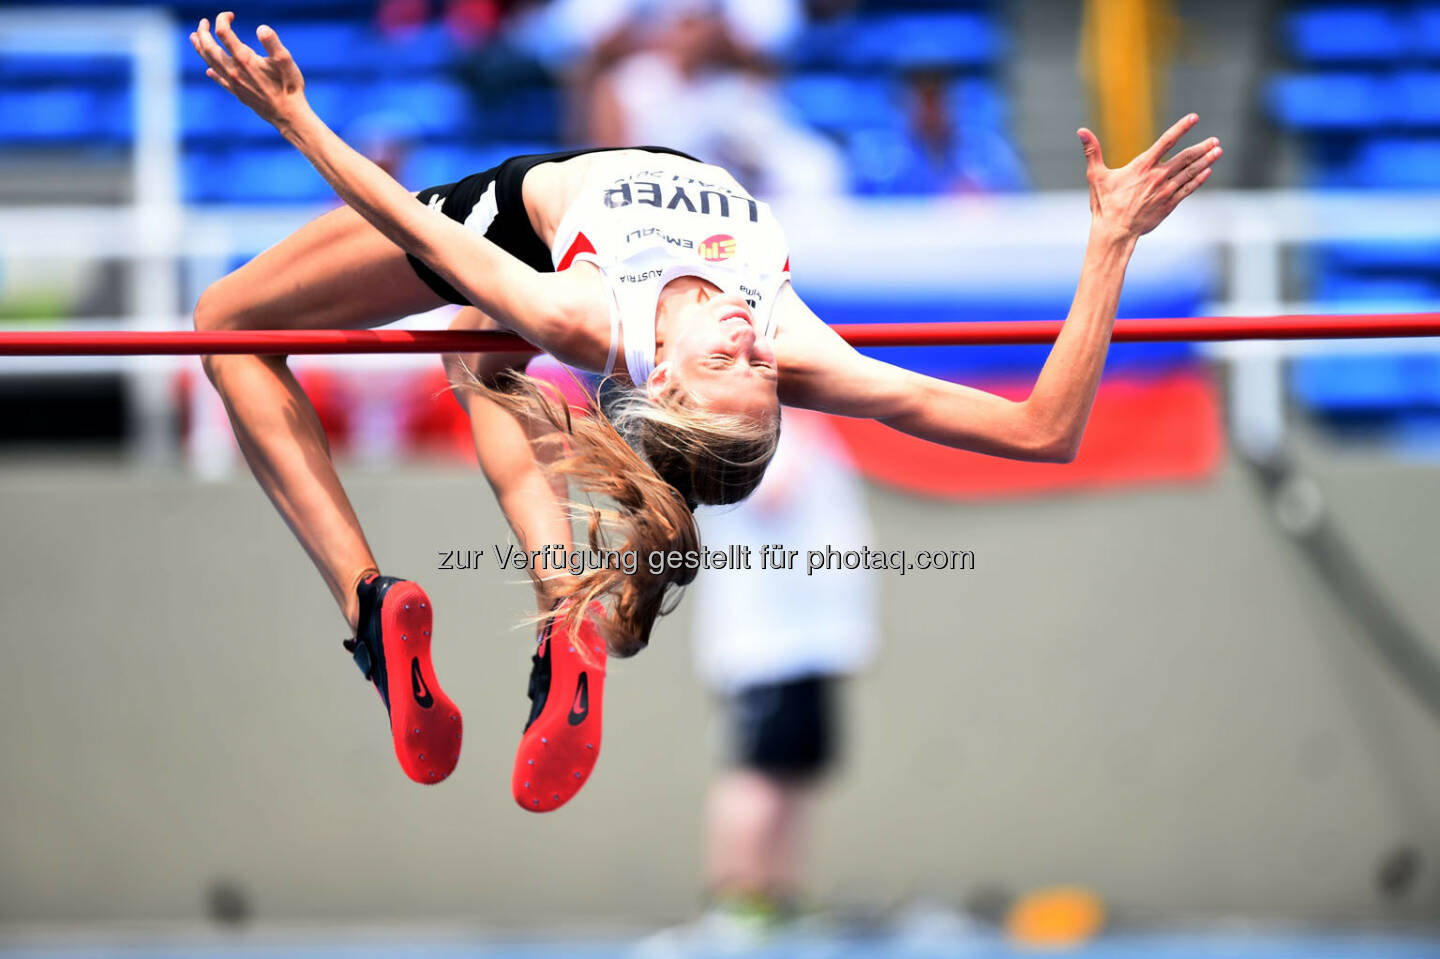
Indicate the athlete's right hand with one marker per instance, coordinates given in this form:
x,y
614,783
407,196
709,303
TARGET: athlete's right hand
x,y
270,85
1133,199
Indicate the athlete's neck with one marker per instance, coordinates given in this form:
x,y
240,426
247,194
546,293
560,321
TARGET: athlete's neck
x,y
670,309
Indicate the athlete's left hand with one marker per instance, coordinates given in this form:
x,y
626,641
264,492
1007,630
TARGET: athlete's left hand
x,y
270,85
1132,200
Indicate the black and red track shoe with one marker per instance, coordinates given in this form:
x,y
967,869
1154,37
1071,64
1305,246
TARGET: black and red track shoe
x,y
392,649
562,737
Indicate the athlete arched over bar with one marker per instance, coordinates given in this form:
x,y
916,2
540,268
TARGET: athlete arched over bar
x,y
643,265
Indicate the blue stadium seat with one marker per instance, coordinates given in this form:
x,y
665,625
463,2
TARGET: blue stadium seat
x,y
522,113
834,101
51,115
892,162
325,47
818,45
115,116
437,108
1337,286
17,69
1386,88
1330,101
208,112
978,101
446,163
253,175
320,47
1398,162
274,12
944,40
1345,34
1415,98
843,103
898,41
1416,434
203,174
427,49
1332,161
1376,256
1425,31
1367,384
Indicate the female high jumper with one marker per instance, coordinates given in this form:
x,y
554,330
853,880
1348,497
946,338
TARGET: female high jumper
x,y
645,266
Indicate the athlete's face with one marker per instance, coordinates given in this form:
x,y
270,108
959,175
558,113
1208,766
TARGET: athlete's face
x,y
714,354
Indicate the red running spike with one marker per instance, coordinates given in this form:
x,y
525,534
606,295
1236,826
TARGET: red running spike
x,y
562,743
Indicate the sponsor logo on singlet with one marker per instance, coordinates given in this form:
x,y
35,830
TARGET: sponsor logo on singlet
x,y
720,246
680,241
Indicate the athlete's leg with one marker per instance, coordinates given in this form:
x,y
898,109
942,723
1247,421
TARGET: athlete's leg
x,y
534,505
335,272
562,737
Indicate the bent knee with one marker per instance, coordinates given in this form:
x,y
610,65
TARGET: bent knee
x,y
210,316
212,313
217,311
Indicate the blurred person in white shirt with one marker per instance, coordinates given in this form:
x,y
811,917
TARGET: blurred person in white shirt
x,y
773,645
694,75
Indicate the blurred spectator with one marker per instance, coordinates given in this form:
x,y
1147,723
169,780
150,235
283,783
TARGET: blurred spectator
x,y
939,152
562,33
484,30
469,22
951,156
693,75
773,645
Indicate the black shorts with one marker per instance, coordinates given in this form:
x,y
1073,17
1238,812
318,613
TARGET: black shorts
x,y
511,229
784,729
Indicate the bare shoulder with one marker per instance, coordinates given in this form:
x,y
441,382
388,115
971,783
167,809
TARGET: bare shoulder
x,y
549,189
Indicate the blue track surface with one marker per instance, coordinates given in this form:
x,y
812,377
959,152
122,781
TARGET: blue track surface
x,y
1169,946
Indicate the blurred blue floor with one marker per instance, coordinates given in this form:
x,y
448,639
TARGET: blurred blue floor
x,y
1150,946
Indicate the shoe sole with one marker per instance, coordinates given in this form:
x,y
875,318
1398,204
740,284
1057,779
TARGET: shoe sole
x,y
558,752
424,722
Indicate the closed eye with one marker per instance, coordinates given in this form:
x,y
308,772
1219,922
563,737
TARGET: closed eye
x,y
722,361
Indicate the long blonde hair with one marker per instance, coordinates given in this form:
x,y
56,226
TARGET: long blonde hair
x,y
652,461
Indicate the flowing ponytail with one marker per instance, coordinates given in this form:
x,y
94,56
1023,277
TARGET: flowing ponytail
x,y
651,462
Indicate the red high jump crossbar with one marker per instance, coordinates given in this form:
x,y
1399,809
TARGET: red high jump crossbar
x,y
979,333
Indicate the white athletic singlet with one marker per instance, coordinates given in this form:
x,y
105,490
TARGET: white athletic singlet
x,y
648,218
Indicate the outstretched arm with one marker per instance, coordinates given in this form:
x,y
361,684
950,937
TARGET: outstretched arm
x,y
543,308
821,371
